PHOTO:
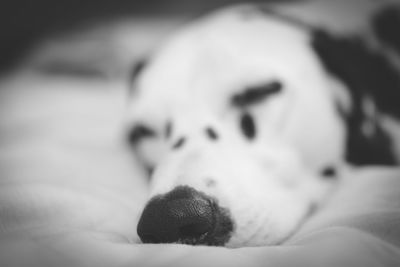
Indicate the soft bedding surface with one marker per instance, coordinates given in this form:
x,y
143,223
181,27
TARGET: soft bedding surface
x,y
71,192
62,150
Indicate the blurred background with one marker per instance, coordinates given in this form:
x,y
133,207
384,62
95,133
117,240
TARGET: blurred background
x,y
95,30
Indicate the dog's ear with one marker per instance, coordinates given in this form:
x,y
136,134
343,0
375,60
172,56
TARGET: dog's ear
x,y
386,24
363,70
374,86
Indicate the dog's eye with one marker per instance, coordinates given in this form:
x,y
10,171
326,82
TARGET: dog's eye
x,y
256,94
248,126
138,132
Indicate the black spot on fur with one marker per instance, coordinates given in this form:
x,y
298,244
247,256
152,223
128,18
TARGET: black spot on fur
x,y
149,171
329,172
181,141
256,94
138,132
386,25
138,68
168,129
211,133
248,126
367,74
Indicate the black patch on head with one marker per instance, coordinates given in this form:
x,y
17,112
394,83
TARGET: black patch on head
x,y
138,132
181,141
368,150
248,126
211,133
386,25
367,74
256,94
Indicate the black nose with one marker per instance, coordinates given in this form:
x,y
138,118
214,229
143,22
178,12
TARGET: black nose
x,y
185,216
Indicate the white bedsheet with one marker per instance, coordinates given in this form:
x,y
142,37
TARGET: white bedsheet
x,y
63,157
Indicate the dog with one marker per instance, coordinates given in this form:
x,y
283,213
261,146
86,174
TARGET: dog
x,y
246,119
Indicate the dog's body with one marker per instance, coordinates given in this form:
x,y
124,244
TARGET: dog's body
x,y
244,114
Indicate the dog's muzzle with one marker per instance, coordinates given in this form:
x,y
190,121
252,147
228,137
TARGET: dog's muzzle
x,y
184,215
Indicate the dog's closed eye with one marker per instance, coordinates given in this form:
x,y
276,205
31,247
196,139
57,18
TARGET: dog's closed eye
x,y
139,132
256,94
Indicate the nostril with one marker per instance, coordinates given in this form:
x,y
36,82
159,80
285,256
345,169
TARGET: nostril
x,y
184,215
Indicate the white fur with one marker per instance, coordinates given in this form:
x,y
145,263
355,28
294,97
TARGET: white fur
x,y
267,185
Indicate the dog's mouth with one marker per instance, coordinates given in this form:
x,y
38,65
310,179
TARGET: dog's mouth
x,y
185,216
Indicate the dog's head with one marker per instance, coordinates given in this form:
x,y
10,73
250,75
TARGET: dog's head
x,y
239,121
